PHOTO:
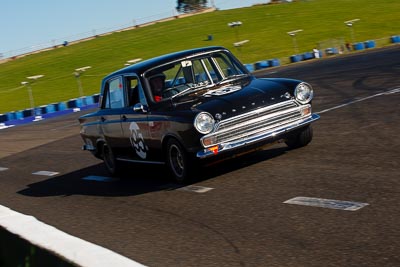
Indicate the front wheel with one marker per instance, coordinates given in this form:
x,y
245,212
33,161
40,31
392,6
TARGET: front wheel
x,y
178,162
300,138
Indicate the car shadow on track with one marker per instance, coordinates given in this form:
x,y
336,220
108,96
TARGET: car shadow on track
x,y
136,180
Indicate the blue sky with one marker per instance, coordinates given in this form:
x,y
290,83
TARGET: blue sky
x,y
29,24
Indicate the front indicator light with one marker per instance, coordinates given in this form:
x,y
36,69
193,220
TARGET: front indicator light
x,y
306,111
209,141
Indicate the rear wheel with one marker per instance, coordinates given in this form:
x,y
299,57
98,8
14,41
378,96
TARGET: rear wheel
x,y
179,162
300,138
111,163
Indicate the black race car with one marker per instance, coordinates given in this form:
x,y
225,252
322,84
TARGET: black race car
x,y
193,106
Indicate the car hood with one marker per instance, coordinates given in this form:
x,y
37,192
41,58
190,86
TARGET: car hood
x,y
240,97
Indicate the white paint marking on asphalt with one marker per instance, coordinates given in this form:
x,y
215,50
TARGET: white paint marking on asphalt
x,y
45,173
393,91
100,178
4,126
195,188
73,249
3,169
326,203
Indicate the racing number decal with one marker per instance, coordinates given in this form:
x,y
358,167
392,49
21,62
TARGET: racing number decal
x,y
137,141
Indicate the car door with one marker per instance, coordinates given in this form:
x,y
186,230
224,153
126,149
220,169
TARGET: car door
x,y
134,121
110,116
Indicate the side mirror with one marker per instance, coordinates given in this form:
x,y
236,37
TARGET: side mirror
x,y
139,107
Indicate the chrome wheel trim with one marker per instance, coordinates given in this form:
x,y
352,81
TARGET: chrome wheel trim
x,y
176,160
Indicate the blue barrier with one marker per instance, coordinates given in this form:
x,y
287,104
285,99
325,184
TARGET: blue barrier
x,y
249,67
369,44
180,80
19,115
3,118
358,46
11,116
42,109
296,58
261,65
80,102
308,55
274,62
50,108
23,116
72,103
395,39
27,113
96,98
89,100
61,106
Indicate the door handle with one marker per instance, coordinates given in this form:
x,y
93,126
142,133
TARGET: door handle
x,y
102,119
124,118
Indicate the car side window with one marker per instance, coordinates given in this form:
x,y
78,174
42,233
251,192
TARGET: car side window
x,y
114,94
135,91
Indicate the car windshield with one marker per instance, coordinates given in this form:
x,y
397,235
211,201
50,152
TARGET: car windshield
x,y
191,74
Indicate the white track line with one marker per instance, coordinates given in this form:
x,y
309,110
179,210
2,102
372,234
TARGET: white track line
x,y
75,250
393,91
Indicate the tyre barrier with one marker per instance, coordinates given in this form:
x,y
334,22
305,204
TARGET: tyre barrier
x,y
61,106
274,62
249,67
395,39
81,102
50,108
11,116
18,117
96,99
296,58
261,65
72,103
89,100
308,55
369,44
3,118
28,113
358,46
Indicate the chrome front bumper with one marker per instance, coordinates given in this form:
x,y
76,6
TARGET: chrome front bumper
x,y
262,136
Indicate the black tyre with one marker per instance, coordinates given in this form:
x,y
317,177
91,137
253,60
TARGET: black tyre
x,y
111,163
300,138
178,162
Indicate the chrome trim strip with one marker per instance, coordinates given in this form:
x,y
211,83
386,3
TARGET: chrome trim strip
x,y
259,111
141,161
254,121
224,147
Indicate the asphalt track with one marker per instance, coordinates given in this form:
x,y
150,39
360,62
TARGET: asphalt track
x,y
242,219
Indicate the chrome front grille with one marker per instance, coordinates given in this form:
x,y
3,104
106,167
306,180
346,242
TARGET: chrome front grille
x,y
255,122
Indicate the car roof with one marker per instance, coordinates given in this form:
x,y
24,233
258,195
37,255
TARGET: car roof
x,y
160,60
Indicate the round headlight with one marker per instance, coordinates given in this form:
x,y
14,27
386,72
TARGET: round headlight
x,y
204,122
304,93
